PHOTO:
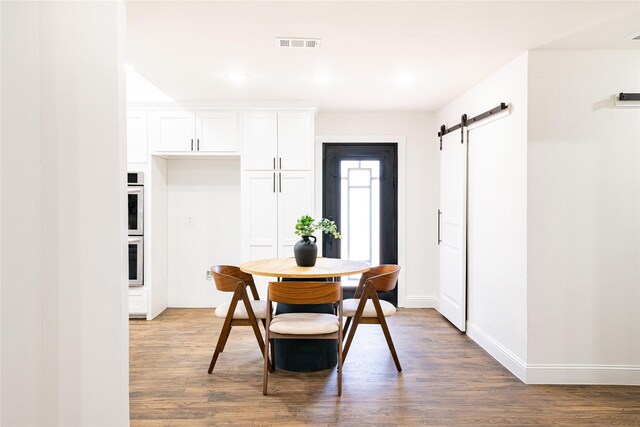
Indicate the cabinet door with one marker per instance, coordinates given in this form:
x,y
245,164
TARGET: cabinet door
x,y
295,140
137,136
173,130
260,140
295,198
259,215
217,131
137,301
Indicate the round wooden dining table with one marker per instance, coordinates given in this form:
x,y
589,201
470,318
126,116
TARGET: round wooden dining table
x,y
301,355
287,268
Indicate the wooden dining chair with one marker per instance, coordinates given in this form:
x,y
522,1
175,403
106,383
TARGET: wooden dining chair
x,y
240,311
321,326
367,308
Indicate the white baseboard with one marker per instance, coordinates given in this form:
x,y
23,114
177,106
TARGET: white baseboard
x,y
418,302
583,374
499,352
554,374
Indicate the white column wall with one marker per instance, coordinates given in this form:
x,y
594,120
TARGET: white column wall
x,y
584,217
422,177
64,288
21,274
497,217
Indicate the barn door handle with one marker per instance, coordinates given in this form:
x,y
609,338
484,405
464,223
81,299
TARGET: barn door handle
x,y
439,214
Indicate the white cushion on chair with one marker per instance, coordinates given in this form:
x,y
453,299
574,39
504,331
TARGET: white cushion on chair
x,y
350,306
259,309
304,323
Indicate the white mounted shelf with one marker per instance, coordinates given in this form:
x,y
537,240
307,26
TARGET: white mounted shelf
x,y
180,155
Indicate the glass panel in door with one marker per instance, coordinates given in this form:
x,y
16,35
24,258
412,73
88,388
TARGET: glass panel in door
x,y
360,212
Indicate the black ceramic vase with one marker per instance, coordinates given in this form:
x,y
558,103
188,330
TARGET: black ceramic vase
x,y
306,251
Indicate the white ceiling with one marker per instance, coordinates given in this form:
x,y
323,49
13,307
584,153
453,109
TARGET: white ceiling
x,y
187,49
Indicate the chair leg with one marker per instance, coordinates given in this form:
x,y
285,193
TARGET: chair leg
x,y
339,367
387,335
266,367
254,322
272,365
258,334
356,320
273,356
347,344
346,327
226,327
224,334
226,337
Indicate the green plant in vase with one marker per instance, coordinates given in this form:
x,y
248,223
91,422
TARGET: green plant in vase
x,y
305,250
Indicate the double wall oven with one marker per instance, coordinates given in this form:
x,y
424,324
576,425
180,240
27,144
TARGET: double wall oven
x,y
135,195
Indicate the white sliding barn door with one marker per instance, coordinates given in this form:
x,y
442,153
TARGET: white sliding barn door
x,y
453,229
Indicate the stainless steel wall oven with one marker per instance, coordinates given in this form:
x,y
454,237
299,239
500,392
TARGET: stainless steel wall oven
x,y
135,195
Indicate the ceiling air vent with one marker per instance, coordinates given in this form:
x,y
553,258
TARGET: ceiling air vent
x,y
297,42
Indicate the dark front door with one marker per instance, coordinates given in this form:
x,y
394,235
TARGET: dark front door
x,y
360,193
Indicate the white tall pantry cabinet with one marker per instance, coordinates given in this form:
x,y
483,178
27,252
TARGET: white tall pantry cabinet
x,y
277,180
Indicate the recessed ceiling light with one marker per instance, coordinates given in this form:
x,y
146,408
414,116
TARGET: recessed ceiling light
x,y
407,78
128,68
237,77
322,78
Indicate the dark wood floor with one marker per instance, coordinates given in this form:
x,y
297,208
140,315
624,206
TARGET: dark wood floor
x,y
447,380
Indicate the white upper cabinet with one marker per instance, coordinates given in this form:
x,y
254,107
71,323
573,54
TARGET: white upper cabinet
x,y
217,131
173,130
277,140
209,131
259,140
295,140
137,136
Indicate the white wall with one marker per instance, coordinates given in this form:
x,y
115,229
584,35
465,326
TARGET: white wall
x,y
21,276
497,197
208,192
584,217
156,249
421,266
554,217
64,313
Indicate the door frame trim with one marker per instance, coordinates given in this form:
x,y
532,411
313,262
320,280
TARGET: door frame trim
x,y
401,140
